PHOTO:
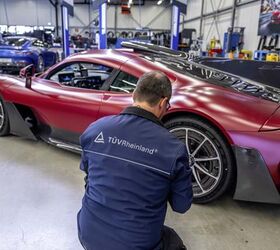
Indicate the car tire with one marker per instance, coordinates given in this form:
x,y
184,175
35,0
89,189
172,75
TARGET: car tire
x,y
210,157
4,120
40,64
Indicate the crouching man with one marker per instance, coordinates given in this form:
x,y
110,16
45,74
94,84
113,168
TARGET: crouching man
x,y
134,167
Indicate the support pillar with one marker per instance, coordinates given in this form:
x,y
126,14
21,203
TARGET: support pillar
x,y
65,31
175,27
102,26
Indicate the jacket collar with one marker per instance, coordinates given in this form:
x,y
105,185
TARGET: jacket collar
x,y
133,110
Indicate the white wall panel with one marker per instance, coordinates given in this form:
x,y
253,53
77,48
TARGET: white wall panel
x,y
111,16
194,8
192,25
162,22
145,16
26,12
81,15
216,29
217,4
41,12
246,16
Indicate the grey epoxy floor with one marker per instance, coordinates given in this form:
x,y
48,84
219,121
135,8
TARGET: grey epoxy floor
x,y
41,189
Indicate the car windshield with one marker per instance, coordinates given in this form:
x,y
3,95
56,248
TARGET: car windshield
x,y
14,41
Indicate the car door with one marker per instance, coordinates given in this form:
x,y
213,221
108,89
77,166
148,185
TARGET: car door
x,y
119,93
71,97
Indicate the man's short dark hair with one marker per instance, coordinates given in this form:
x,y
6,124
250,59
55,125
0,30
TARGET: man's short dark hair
x,y
151,87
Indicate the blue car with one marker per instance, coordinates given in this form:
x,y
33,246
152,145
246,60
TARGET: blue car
x,y
17,52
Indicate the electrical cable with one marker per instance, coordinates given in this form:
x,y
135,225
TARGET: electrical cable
x,y
6,12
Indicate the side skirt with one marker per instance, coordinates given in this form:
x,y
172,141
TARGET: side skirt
x,y
254,182
63,145
18,126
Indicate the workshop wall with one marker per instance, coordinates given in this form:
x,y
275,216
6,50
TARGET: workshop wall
x,y
26,12
246,16
148,15
42,13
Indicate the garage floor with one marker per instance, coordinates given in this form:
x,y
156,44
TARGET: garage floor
x,y
41,188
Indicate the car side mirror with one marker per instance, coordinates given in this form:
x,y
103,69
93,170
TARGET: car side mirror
x,y
27,72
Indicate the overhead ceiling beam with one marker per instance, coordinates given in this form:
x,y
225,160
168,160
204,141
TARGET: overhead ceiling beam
x,y
53,3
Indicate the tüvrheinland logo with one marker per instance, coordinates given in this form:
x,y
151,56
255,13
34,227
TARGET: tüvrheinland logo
x,y
99,138
124,143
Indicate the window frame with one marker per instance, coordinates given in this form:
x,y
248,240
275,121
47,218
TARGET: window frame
x,y
16,38
105,85
115,78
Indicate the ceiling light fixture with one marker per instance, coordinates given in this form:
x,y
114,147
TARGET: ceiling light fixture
x,y
159,2
130,2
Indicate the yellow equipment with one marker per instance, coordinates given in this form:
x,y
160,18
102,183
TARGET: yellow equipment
x,y
213,42
272,57
246,54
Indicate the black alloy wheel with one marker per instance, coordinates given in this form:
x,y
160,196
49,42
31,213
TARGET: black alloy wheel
x,y
4,120
210,157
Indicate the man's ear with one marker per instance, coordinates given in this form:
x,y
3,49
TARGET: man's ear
x,y
161,103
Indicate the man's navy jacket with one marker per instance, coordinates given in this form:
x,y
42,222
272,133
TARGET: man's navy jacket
x,y
133,166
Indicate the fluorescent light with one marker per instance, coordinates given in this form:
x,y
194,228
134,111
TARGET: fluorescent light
x,y
159,2
130,2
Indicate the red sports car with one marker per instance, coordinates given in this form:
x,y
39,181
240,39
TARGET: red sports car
x,y
230,125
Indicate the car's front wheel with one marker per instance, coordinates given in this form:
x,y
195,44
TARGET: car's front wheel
x,y
4,120
210,157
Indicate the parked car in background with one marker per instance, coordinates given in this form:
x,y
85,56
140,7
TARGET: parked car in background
x,y
17,52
